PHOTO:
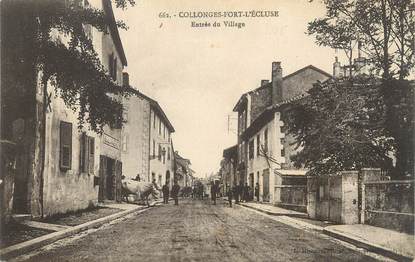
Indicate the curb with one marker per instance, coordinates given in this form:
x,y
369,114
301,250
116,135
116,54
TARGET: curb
x,y
358,242
274,213
24,247
384,251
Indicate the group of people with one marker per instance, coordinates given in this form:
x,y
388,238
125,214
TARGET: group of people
x,y
174,192
242,193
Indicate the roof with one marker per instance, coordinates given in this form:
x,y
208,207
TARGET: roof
x,y
114,30
155,105
290,172
269,84
230,151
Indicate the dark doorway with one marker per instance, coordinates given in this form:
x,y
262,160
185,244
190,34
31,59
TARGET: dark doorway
x,y
110,181
265,185
168,177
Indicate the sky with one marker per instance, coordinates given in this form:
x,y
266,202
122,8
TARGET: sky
x,y
198,74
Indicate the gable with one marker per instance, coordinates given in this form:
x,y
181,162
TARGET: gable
x,y
301,81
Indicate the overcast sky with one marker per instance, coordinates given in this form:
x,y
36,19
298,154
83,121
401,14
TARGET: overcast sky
x,y
198,74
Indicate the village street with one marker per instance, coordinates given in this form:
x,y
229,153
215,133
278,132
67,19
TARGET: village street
x,y
198,231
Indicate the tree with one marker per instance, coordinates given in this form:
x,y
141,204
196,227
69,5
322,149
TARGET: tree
x,y
357,122
32,46
45,42
385,30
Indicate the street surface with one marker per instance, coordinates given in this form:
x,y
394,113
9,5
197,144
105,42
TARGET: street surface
x,y
198,231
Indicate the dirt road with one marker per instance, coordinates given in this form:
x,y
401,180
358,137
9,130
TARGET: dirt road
x,y
198,231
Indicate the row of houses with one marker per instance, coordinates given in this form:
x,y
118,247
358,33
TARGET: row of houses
x,y
262,156
81,167
263,149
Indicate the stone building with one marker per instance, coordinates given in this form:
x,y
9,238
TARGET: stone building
x,y
184,175
228,168
147,147
263,145
80,167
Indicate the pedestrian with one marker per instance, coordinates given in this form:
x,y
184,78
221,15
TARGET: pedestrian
x,y
257,191
213,192
175,192
230,195
246,192
236,193
137,178
166,192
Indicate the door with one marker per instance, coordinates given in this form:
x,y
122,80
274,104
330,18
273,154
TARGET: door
x,y
265,185
118,174
110,180
102,177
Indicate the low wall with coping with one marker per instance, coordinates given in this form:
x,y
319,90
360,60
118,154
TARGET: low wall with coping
x,y
389,204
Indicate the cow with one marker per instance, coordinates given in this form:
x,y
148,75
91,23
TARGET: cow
x,y
141,189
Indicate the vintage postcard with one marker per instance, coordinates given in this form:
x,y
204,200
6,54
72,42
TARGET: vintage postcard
x,y
209,130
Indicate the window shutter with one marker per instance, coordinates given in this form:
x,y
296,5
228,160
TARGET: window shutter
x,y
91,155
65,145
83,153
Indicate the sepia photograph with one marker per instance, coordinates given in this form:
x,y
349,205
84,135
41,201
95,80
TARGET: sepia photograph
x,y
209,130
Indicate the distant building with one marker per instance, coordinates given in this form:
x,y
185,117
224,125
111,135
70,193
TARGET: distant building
x,y
184,175
263,145
228,167
147,148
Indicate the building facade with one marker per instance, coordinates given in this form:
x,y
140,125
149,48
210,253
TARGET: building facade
x,y
228,168
147,147
76,171
263,145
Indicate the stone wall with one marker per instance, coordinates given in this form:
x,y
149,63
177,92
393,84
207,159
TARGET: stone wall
x,y
260,100
390,204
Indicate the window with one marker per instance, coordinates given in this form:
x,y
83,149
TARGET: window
x,y
168,153
266,140
125,115
258,145
169,136
251,149
160,127
124,142
154,120
87,153
65,145
164,131
159,182
164,155
110,64
159,153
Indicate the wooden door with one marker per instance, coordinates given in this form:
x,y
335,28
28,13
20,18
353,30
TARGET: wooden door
x,y
117,176
102,178
265,185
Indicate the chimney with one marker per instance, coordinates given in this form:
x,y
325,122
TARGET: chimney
x,y
276,83
125,79
336,68
264,82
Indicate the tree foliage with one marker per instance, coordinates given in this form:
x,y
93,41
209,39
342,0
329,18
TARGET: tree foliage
x,y
385,30
50,38
361,121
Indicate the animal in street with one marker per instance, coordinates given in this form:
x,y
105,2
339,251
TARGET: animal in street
x,y
141,189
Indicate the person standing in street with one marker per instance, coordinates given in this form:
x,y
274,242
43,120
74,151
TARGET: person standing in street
x,y
257,192
175,193
166,192
246,192
236,193
213,192
230,195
